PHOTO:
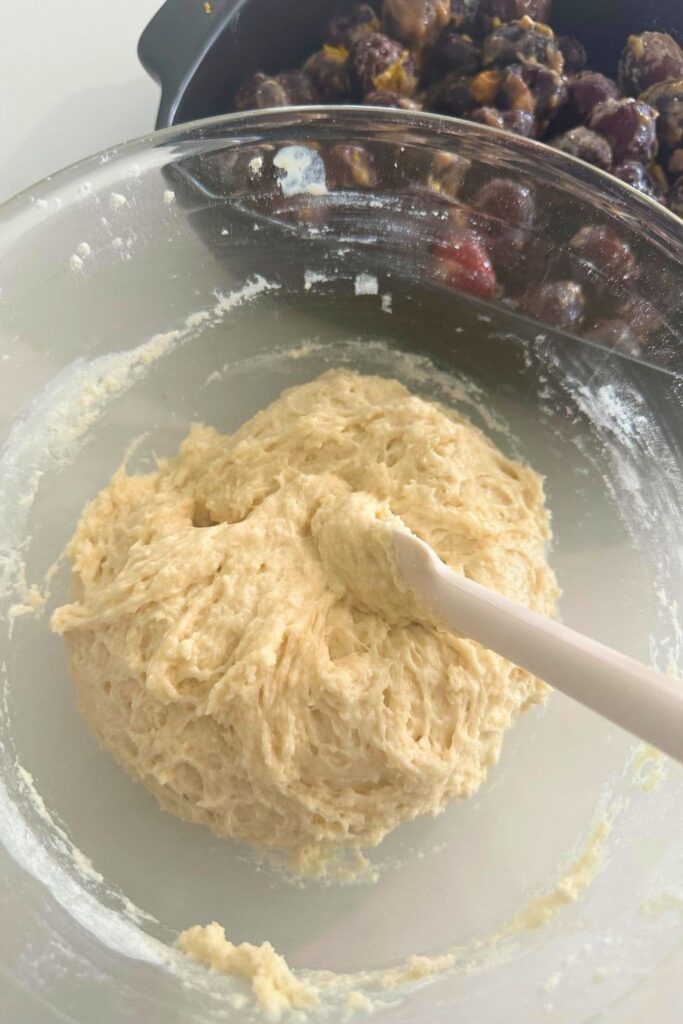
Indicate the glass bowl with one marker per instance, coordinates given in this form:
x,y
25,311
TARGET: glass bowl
x,y
192,275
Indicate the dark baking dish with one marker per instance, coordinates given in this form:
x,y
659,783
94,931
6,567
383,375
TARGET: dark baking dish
x,y
200,51
201,59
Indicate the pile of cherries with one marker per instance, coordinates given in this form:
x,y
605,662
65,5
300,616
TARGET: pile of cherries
x,y
498,62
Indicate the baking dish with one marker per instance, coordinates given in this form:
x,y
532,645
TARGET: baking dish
x,y
200,52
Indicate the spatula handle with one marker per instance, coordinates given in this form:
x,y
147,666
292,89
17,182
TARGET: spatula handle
x,y
633,696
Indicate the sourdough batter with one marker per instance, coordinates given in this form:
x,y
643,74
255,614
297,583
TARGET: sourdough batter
x,y
221,656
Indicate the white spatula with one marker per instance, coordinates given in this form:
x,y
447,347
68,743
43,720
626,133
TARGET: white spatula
x,y
635,697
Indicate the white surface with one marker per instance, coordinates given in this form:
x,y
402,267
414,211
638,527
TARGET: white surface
x,y
644,702
76,86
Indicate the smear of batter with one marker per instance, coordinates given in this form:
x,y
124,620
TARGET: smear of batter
x,y
566,889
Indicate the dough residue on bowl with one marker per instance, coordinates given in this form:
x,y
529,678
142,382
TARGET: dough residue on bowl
x,y
273,983
277,988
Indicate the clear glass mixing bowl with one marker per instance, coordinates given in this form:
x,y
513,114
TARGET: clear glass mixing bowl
x,y
194,274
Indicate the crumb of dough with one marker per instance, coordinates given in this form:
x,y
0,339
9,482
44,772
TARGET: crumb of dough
x,y
662,902
275,987
33,602
366,284
340,863
648,769
415,969
358,1001
226,658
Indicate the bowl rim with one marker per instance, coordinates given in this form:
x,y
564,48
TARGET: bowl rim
x,y
640,209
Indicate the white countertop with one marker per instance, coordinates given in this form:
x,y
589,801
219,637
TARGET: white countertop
x,y
71,68
75,82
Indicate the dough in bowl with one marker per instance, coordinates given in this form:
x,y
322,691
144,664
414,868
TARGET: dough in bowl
x,y
221,656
